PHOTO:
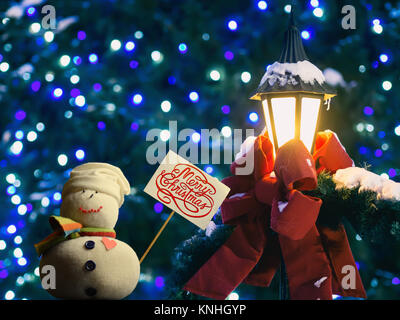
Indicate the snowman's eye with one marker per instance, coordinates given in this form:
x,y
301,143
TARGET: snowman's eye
x,y
83,191
96,192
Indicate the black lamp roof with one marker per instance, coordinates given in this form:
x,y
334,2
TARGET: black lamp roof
x,y
293,52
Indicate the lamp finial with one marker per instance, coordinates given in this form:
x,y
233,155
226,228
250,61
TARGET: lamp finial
x,y
293,50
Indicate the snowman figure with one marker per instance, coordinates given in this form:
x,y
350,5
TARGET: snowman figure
x,y
89,262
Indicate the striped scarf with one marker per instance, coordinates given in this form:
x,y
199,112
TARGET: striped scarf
x,y
65,229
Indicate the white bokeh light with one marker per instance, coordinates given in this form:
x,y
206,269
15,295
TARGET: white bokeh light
x,y
80,101
65,60
74,79
31,136
4,66
157,56
245,77
386,85
34,27
48,36
62,160
226,131
115,45
165,106
215,75
165,135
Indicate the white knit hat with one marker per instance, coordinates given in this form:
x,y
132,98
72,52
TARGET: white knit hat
x,y
98,176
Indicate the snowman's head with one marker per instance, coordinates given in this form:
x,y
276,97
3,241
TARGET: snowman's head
x,y
93,195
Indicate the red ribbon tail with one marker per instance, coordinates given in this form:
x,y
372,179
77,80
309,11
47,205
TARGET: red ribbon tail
x,y
230,265
265,270
346,278
307,267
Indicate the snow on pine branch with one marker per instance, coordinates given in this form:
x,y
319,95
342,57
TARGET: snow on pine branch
x,y
354,177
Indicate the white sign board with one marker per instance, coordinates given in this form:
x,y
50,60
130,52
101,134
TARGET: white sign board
x,y
187,190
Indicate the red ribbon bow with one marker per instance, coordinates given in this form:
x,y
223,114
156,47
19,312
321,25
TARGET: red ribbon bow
x,y
263,201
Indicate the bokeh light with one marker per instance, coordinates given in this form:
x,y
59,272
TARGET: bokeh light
x,y
262,5
232,25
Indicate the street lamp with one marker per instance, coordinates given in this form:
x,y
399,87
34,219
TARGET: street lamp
x,y
292,92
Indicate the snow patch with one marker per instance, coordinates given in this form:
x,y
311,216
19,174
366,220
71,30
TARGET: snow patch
x,y
353,177
282,205
272,174
285,73
334,78
211,228
245,147
237,195
319,282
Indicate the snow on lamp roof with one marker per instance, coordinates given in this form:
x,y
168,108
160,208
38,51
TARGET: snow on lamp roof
x,y
287,73
293,71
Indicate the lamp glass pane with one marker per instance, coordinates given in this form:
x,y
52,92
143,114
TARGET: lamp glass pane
x,y
268,121
309,118
284,111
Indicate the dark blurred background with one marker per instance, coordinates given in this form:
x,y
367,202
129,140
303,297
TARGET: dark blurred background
x,y
92,88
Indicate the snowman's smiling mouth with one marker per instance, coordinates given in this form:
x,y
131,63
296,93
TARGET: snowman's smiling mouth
x,y
90,210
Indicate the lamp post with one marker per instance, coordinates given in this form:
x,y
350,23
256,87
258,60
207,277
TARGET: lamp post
x,y
292,92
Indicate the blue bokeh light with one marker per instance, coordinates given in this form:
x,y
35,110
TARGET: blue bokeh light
x,y
31,11
81,35
362,150
306,35
194,96
159,282
77,60
130,46
209,169
20,115
134,126
57,93
137,99
35,86
101,125
253,117
226,109
80,154
182,48
10,190
392,173
384,58
171,80
368,111
229,55
93,58
158,207
378,153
